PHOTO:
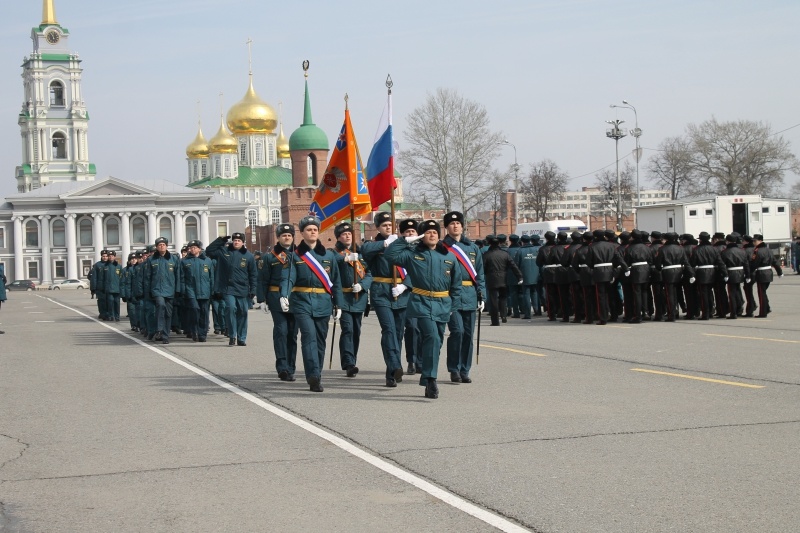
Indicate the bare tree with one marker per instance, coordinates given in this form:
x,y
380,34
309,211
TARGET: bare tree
x,y
741,157
543,185
606,181
450,149
671,167
794,194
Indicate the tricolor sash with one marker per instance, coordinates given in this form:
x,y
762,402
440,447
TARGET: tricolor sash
x,y
461,255
312,263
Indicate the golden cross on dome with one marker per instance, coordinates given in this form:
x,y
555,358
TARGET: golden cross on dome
x,y
249,43
220,104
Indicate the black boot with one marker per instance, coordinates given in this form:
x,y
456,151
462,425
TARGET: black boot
x,y
431,389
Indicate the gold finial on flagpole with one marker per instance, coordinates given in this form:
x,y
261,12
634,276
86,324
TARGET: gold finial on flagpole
x,y
305,68
346,98
389,83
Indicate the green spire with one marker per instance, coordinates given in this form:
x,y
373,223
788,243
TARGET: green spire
x,y
308,136
307,120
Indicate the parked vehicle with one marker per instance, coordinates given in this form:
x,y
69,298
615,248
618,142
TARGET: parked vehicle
x,y
21,285
540,228
69,284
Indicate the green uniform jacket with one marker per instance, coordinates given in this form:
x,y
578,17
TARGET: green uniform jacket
x,y
316,304
433,270
526,261
354,303
97,282
112,278
380,294
126,283
470,294
273,272
163,278
3,296
197,278
237,269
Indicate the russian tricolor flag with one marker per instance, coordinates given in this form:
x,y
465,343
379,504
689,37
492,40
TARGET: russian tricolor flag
x,y
380,165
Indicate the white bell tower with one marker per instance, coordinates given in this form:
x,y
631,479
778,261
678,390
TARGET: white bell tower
x,y
53,120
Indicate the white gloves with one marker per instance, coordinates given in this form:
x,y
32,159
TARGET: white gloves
x,y
265,307
480,306
691,280
627,273
285,304
780,276
520,282
415,238
726,279
357,287
351,257
397,290
389,240
747,280
337,313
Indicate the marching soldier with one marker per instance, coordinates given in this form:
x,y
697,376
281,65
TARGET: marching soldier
x,y
162,282
277,264
639,259
437,282
356,281
602,259
496,264
738,266
526,261
112,279
656,283
761,264
587,283
548,266
198,286
408,228
573,276
470,301
707,265
750,305
720,294
315,295
689,290
511,281
672,263
126,291
97,285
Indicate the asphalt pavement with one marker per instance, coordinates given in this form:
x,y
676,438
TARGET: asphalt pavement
x,y
686,426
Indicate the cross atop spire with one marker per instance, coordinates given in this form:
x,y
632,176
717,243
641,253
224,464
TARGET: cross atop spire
x,y
49,12
249,43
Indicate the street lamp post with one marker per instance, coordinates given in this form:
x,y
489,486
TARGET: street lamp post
x,y
516,183
636,132
617,133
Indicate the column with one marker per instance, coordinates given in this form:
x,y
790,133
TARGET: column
x,y
19,260
152,230
204,227
72,248
97,235
44,227
180,231
126,235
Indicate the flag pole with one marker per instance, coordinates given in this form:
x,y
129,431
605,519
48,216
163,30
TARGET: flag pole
x,y
389,84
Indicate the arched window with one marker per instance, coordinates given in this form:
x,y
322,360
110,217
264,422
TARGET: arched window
x,y
31,233
259,153
243,153
112,231
138,230
276,216
59,145
59,233
227,168
203,170
217,169
252,219
57,94
194,171
85,230
165,228
191,228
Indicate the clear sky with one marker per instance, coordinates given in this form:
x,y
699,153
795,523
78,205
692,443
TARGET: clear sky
x,y
546,70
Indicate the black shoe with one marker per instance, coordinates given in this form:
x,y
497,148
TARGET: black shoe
x,y
216,332
291,378
494,324
232,342
116,320
201,339
418,368
410,370
158,336
504,320
455,377
241,343
465,379
189,335
314,384
352,370
195,338
431,389
398,374
165,341
283,375
391,383
178,331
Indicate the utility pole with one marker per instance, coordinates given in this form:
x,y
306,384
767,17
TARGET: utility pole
x,y
617,133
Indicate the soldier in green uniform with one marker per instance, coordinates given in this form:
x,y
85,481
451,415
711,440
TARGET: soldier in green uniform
x,y
97,284
315,294
3,281
112,279
356,281
464,309
437,284
197,285
526,261
277,263
162,281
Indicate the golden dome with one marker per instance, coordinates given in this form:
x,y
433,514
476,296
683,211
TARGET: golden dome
x,y
251,114
223,142
283,146
198,149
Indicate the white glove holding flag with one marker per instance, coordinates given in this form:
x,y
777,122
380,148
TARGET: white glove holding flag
x,y
627,273
480,306
691,280
357,288
415,238
337,313
397,290
285,304
389,240
351,257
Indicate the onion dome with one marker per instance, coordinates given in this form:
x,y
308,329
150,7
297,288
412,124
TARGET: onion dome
x,y
308,136
198,149
251,114
283,145
223,142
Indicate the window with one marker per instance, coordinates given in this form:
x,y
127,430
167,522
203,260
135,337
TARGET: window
x,y
227,168
59,145
86,267
31,234
247,195
138,233
203,169
709,212
33,270
781,209
692,212
765,210
165,228
252,219
276,216
57,94
222,229
112,231
85,230
2,238
217,168
259,153
191,228
243,153
194,170
59,233
61,269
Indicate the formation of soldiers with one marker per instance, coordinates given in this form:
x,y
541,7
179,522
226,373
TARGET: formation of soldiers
x,y
421,280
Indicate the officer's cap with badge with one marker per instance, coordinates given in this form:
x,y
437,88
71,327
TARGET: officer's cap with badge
x,y
103,252
453,216
151,248
112,252
137,255
535,238
161,240
310,220
427,225
131,255
549,236
185,248
381,217
343,228
407,224
526,238
237,236
195,243
284,228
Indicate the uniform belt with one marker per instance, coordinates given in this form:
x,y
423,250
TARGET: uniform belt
x,y
385,280
551,266
705,266
432,294
347,289
274,288
640,263
315,290
466,282
671,266
764,268
736,268
604,265
583,266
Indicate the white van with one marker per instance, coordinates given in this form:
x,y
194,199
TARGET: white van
x,y
540,228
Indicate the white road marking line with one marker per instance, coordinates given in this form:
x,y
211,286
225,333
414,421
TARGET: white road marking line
x,y
447,497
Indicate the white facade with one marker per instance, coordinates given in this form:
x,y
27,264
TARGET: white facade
x,y
592,201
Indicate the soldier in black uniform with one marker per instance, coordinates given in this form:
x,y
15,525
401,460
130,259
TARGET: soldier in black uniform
x,y
588,296
762,261
656,285
707,265
671,262
750,300
624,281
573,276
495,264
689,290
738,266
720,286
639,259
548,265
602,260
